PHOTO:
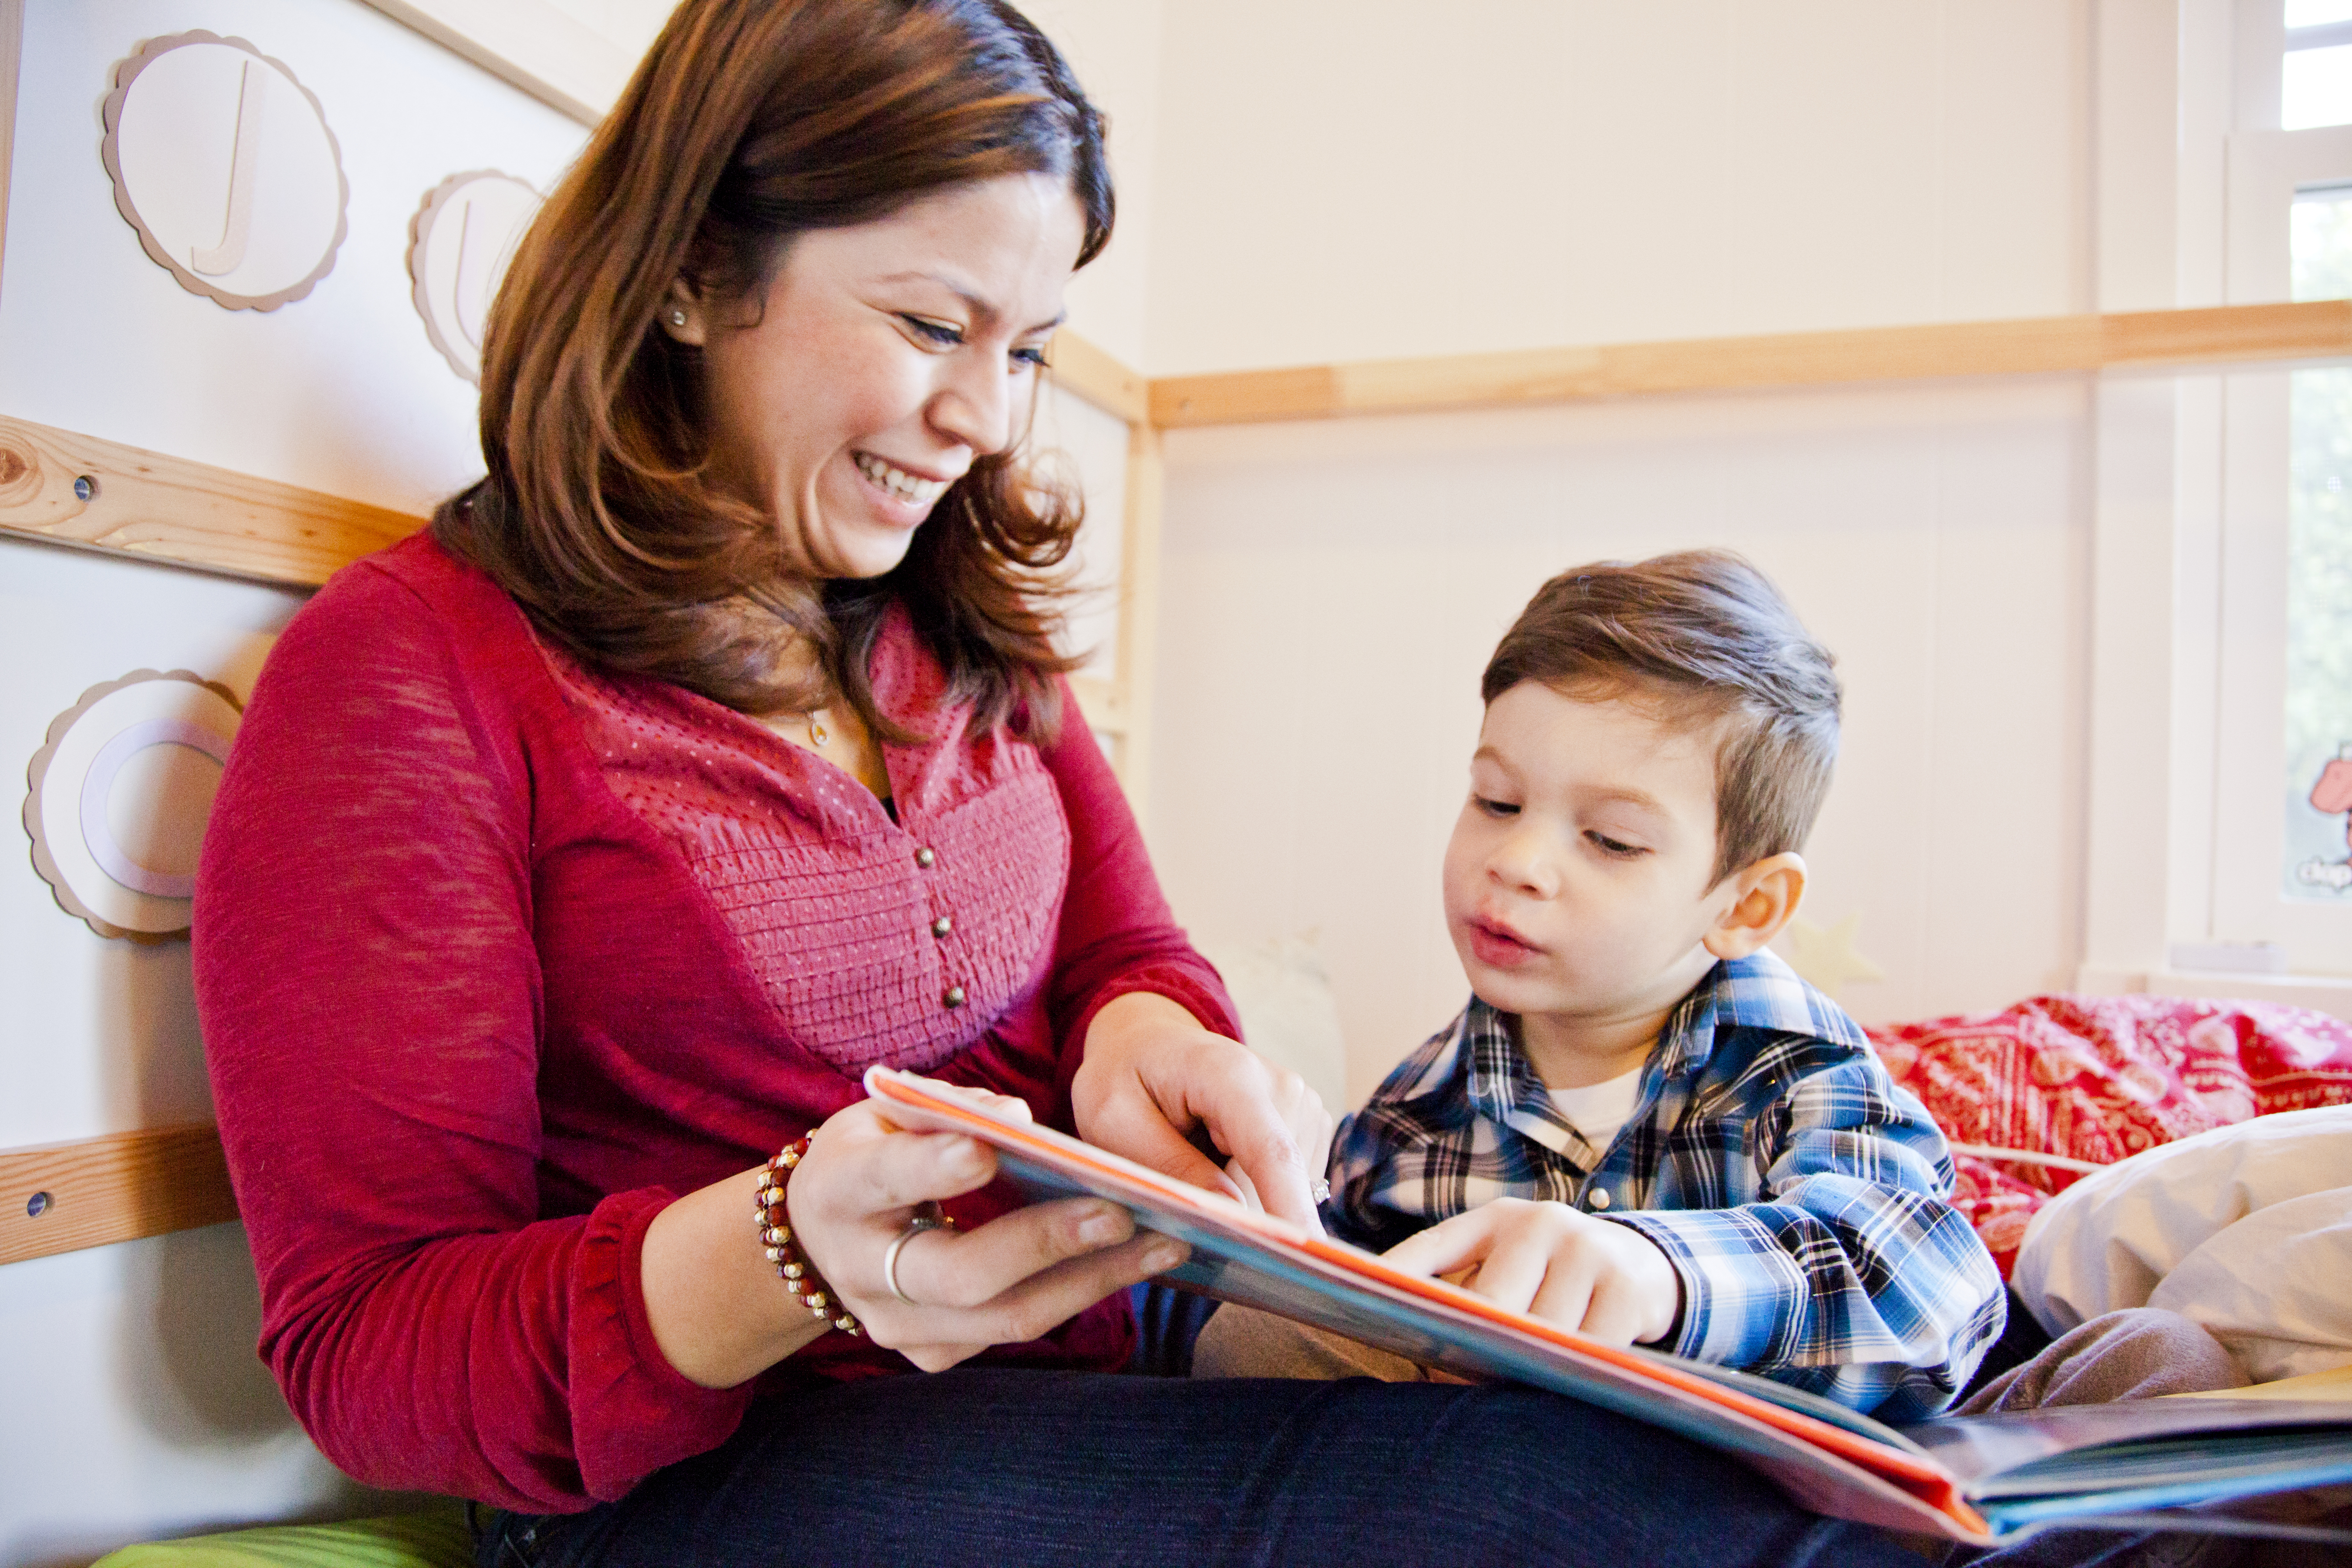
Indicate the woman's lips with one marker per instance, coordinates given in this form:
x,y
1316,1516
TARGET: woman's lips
x,y
1498,947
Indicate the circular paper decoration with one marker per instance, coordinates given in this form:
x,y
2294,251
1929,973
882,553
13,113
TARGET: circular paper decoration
x,y
459,244
224,163
119,795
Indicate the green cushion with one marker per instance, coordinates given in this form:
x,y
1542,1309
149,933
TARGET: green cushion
x,y
434,1540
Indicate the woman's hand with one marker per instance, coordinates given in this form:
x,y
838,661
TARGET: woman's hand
x,y
1152,1076
1555,1263
1012,1279
721,1316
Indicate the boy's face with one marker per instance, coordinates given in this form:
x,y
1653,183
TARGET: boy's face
x,y
1580,880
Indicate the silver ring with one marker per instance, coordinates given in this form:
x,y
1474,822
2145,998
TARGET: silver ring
x,y
915,1227
1321,1192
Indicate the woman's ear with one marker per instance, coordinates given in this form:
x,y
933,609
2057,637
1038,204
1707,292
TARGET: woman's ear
x,y
682,315
1765,896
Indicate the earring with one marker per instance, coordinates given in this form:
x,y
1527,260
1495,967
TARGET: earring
x,y
676,317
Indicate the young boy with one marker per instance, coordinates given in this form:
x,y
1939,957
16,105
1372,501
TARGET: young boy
x,y
1644,1125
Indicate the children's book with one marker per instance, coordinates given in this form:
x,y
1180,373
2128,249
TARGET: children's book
x,y
2215,1464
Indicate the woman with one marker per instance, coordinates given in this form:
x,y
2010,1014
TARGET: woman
x,y
579,856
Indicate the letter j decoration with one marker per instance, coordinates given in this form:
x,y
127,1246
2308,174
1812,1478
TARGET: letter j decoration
x,y
224,165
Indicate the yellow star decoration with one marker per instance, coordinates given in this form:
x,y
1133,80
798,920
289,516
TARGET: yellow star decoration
x,y
1827,958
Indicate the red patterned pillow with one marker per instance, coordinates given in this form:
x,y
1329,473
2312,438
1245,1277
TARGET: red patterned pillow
x,y
2099,1078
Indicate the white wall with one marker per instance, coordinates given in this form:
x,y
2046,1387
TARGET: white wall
x,y
1356,179
1339,181
133,1402
1115,49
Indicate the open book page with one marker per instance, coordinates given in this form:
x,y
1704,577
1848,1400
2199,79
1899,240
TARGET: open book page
x,y
1835,1461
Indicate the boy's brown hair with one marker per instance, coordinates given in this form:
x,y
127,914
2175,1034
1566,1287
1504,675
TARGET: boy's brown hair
x,y
1705,634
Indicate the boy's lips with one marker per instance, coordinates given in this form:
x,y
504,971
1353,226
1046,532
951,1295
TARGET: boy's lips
x,y
1499,946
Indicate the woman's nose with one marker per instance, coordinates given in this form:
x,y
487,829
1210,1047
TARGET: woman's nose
x,y
975,406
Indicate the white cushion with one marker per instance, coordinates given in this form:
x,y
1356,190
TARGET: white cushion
x,y
1290,1015
2246,1229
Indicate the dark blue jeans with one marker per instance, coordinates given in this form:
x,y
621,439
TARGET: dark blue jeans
x,y
1005,1465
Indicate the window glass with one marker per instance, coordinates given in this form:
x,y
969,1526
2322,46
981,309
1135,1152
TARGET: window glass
x,y
2315,88
2320,576
2318,13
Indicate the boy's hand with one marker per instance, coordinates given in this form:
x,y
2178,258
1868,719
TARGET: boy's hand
x,y
1555,1262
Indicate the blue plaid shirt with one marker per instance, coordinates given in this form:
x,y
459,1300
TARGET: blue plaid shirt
x,y
1798,1191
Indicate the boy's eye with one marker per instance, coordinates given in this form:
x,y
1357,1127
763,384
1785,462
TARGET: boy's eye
x,y
1494,807
1616,849
946,334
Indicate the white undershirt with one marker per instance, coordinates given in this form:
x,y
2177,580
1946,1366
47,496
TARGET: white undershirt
x,y
1599,1109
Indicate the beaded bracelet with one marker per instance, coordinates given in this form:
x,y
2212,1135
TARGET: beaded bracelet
x,y
792,1264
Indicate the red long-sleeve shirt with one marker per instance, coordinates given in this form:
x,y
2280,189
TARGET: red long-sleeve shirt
x,y
496,954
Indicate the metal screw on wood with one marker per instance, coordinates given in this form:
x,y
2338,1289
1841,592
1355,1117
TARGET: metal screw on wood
x,y
37,1205
85,487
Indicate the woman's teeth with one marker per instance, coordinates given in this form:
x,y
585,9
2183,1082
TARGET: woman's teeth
x,y
899,483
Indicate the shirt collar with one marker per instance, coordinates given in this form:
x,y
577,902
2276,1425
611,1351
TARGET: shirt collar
x,y
1758,991
1504,1086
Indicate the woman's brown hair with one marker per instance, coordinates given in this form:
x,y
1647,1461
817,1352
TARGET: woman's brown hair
x,y
747,122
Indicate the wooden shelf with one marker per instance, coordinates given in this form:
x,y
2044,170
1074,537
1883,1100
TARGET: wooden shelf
x,y
115,1188
2150,340
167,509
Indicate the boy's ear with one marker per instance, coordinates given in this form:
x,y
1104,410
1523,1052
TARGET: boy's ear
x,y
1765,896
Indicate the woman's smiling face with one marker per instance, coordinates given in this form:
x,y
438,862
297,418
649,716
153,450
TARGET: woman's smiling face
x,y
883,360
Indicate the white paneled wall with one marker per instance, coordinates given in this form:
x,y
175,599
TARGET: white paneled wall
x,y
133,1402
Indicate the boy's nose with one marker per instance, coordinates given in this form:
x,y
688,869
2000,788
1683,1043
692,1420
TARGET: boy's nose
x,y
1523,866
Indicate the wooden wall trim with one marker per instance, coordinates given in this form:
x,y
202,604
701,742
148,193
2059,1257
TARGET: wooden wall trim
x,y
115,1188
1080,367
533,43
2149,339
157,507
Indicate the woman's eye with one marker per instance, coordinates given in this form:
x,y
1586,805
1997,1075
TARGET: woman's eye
x,y
1615,848
1033,358
1494,807
946,334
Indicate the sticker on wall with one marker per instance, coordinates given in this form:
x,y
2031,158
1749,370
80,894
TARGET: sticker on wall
x,y
2332,796
224,163
459,244
1828,959
119,795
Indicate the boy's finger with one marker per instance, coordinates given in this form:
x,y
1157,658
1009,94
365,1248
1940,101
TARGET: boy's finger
x,y
1613,1315
1512,1273
1445,1247
1568,1295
